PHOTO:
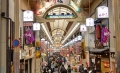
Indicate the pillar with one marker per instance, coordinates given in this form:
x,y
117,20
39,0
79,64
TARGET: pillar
x,y
16,50
3,37
112,30
29,66
116,18
37,60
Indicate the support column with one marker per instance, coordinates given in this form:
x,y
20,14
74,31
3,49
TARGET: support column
x,y
37,60
116,18
16,50
28,66
3,37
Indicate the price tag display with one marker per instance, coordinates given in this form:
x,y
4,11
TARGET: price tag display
x,y
102,12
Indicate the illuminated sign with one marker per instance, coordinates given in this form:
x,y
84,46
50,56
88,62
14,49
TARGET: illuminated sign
x,y
36,26
75,6
102,12
89,22
28,15
60,16
83,28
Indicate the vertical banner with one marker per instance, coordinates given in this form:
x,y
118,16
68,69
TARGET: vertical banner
x,y
78,48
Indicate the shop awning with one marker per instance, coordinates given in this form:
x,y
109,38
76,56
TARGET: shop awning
x,y
95,50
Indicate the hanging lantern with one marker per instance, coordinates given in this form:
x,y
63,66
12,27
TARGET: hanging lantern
x,y
98,31
89,22
83,28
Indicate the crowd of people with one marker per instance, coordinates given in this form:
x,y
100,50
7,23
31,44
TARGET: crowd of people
x,y
57,65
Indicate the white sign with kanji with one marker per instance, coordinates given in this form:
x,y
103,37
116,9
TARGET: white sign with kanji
x,y
36,26
89,22
83,28
28,15
102,12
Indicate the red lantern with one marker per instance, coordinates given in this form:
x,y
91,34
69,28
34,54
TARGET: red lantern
x,y
98,31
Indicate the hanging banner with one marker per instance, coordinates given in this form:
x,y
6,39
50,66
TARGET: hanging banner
x,y
78,48
89,22
29,37
102,12
83,28
36,26
28,15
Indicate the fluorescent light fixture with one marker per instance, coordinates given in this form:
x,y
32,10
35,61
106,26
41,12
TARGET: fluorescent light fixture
x,y
46,32
71,32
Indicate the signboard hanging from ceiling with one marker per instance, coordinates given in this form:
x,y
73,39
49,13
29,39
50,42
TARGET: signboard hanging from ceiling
x,y
83,28
89,22
36,26
28,15
102,12
60,16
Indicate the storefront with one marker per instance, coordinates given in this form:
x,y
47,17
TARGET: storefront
x,y
100,47
27,59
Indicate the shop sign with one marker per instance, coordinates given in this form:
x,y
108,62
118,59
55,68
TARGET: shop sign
x,y
89,22
83,28
28,15
60,16
75,6
23,54
106,64
28,23
102,12
36,26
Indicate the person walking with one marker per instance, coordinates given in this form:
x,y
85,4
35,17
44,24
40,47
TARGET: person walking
x,y
45,70
81,69
52,67
69,69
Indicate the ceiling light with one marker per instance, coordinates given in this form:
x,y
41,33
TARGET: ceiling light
x,y
71,32
46,33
